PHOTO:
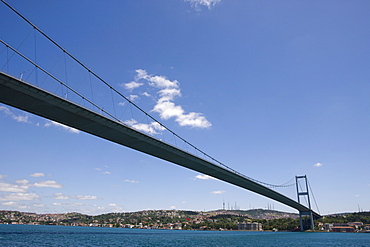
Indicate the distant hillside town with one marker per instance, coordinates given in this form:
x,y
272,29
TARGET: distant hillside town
x,y
249,220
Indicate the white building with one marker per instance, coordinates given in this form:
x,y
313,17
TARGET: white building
x,y
250,226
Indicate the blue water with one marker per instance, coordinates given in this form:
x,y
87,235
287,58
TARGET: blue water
x,y
24,235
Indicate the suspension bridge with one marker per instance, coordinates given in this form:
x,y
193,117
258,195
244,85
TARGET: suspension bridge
x,y
73,108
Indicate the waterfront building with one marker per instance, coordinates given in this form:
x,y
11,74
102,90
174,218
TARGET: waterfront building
x,y
367,228
342,229
250,226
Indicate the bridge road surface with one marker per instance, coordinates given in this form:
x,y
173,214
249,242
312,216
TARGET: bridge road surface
x,y
19,94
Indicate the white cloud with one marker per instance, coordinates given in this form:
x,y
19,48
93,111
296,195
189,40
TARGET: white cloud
x,y
23,181
141,74
38,174
318,165
144,127
193,119
3,176
15,204
113,205
147,128
165,106
121,103
60,196
218,192
81,197
105,172
6,187
157,126
39,205
10,204
204,177
132,85
146,94
169,93
20,197
208,3
48,184
21,119
162,82
133,97
131,122
18,118
131,181
59,125
56,204
74,204
168,109
173,207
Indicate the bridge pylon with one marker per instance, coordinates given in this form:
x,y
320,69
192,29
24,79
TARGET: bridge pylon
x,y
304,193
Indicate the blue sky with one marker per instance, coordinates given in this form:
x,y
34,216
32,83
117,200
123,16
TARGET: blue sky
x,y
272,89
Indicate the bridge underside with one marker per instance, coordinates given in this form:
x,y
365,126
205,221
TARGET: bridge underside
x,y
27,97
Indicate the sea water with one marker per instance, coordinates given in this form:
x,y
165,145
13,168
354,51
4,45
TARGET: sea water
x,y
25,235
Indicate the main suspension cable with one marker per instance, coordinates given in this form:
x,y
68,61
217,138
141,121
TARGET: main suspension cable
x,y
314,199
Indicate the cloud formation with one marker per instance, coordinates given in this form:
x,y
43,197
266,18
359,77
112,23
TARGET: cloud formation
x,y
18,118
17,205
208,3
60,196
203,177
20,197
37,174
22,181
132,85
218,192
151,128
59,125
48,184
12,195
165,106
81,197
133,97
103,172
131,181
6,187
318,165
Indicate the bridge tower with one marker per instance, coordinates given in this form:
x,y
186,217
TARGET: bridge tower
x,y
305,194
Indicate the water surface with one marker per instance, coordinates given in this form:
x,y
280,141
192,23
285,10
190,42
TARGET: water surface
x,y
24,235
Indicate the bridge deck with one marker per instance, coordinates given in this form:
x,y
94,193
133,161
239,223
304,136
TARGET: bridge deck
x,y
30,98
